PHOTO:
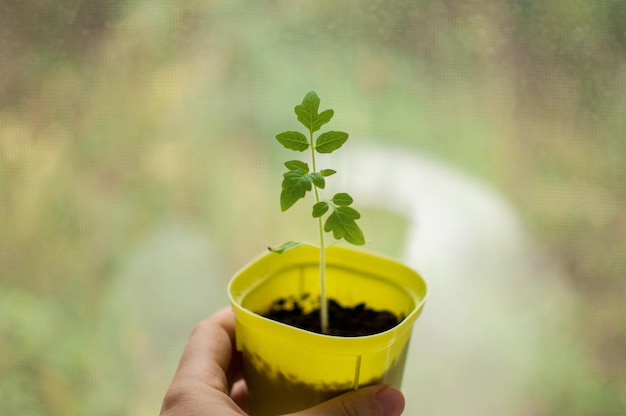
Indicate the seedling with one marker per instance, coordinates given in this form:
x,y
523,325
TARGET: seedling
x,y
300,178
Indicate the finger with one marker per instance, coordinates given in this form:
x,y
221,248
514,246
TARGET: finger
x,y
239,394
235,369
201,383
207,355
379,400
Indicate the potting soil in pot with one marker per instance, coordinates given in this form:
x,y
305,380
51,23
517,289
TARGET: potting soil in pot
x,y
343,321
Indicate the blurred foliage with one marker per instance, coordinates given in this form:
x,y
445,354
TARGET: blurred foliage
x,y
118,116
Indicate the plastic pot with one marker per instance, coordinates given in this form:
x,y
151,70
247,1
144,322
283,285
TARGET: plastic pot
x,y
289,369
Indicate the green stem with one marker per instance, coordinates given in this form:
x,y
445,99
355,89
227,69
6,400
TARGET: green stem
x,y
322,267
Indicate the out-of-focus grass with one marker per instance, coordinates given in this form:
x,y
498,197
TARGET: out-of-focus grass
x,y
166,115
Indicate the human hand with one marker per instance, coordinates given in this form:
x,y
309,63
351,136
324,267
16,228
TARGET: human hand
x,y
209,381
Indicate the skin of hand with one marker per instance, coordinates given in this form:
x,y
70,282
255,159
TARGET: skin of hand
x,y
209,381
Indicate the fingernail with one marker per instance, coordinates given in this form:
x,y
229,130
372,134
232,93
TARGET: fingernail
x,y
390,401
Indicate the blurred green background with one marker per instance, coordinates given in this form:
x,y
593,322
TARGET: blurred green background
x,y
138,168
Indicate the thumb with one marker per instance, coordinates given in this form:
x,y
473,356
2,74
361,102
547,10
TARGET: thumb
x,y
380,400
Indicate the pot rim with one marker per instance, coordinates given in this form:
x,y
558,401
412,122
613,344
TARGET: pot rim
x,y
357,260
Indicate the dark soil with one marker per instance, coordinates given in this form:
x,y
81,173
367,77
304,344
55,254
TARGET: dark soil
x,y
356,321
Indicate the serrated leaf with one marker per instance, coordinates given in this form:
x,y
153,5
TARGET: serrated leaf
x,y
348,212
295,185
293,140
353,234
327,172
333,223
342,199
342,224
307,112
323,118
330,141
318,180
285,246
297,165
320,209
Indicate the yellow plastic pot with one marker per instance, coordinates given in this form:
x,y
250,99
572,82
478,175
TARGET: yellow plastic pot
x,y
289,369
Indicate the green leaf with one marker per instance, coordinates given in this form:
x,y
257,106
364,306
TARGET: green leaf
x,y
342,224
297,165
323,118
318,180
320,209
307,112
348,212
295,185
293,140
342,199
334,224
328,172
354,235
330,141
285,246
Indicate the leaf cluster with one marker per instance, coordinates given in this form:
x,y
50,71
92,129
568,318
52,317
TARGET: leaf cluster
x,y
300,178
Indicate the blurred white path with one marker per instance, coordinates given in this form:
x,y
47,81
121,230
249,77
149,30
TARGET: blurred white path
x,y
492,304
